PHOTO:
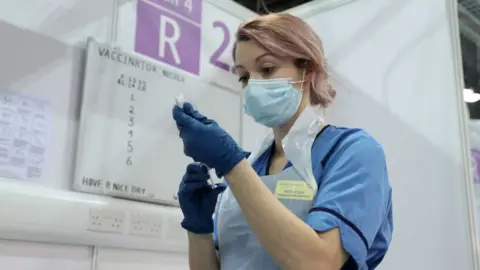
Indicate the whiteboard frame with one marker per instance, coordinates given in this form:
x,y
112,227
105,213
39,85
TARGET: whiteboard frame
x,y
30,212
83,148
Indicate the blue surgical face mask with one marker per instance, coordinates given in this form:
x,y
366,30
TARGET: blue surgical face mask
x,y
272,102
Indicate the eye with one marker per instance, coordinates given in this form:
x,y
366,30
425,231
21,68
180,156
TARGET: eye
x,y
267,71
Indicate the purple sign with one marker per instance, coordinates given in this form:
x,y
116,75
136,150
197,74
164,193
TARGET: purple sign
x,y
476,165
170,31
190,9
215,58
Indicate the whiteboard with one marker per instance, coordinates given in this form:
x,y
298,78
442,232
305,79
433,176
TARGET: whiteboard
x,y
128,143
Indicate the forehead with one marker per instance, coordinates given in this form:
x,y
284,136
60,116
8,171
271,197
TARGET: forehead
x,y
247,53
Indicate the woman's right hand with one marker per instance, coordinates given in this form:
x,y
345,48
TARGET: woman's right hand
x,y
198,199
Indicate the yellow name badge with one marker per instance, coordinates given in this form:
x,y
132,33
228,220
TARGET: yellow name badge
x,y
293,190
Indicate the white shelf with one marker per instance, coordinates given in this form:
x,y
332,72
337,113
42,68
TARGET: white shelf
x,y
33,213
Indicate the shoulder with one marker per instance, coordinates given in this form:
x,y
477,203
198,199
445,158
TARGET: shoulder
x,y
354,141
341,146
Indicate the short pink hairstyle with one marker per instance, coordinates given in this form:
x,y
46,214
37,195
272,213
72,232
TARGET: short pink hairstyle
x,y
285,35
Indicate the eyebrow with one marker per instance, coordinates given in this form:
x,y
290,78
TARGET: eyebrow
x,y
256,59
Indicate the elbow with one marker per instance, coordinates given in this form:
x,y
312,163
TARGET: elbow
x,y
312,264
315,260
324,264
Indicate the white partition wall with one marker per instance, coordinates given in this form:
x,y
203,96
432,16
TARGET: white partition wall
x,y
397,70
41,59
36,198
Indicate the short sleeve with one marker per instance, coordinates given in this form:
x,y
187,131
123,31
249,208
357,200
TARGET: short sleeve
x,y
354,194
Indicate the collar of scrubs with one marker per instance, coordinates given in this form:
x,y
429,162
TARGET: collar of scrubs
x,y
262,164
297,144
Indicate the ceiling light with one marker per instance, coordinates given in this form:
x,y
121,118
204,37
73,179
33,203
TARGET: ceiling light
x,y
470,96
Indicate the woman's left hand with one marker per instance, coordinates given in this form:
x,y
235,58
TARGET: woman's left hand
x,y
206,142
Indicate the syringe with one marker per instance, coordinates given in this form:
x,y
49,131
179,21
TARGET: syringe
x,y
179,100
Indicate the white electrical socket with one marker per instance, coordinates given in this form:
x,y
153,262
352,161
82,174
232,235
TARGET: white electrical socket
x,y
106,220
143,224
173,230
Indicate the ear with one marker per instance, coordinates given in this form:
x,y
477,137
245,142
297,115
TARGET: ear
x,y
309,76
308,67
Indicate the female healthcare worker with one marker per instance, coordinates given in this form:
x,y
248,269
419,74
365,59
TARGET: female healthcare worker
x,y
313,196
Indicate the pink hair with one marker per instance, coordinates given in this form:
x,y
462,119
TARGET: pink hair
x,y
285,35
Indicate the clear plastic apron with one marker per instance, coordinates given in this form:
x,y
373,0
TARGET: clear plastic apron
x,y
239,248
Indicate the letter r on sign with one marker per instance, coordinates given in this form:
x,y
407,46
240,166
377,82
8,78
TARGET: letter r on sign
x,y
170,40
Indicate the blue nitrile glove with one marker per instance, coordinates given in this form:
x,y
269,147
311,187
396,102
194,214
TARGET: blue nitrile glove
x,y
198,199
205,141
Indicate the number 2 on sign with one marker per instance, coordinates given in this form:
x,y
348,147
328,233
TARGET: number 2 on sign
x,y
215,58
188,5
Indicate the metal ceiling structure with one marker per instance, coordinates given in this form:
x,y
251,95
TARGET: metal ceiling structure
x,y
266,6
472,6
469,21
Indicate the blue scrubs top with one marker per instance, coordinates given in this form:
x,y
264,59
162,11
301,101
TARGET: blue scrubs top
x,y
354,193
